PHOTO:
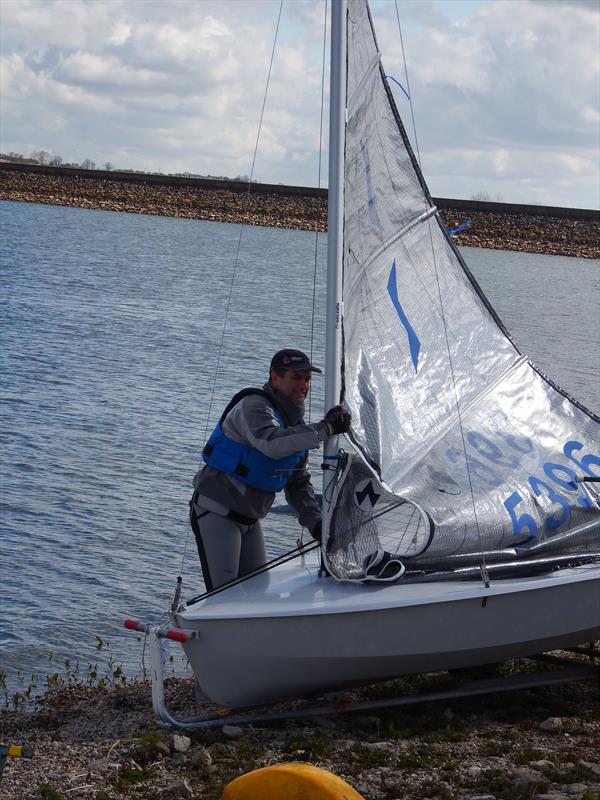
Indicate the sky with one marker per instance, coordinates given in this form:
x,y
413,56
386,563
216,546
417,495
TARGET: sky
x,y
505,93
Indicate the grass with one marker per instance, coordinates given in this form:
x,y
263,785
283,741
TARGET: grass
x,y
416,757
495,748
129,776
576,774
48,792
529,754
312,748
496,782
362,757
62,673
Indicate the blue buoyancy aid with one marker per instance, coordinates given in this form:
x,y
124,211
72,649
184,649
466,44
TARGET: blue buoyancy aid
x,y
245,463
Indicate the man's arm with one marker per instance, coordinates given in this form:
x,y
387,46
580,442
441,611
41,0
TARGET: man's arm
x,y
300,495
253,421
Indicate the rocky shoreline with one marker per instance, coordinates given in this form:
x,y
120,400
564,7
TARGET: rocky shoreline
x,y
531,233
102,744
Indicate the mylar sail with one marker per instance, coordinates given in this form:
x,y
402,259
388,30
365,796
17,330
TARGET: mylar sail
x,y
463,446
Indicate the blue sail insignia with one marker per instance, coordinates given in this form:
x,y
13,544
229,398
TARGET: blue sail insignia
x,y
391,78
413,339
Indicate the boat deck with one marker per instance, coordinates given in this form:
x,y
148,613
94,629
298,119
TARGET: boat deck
x,y
294,590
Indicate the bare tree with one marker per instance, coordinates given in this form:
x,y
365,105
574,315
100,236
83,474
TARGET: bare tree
x,y
56,161
41,156
88,164
486,197
108,166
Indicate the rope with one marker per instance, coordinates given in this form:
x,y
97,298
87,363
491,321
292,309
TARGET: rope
x,y
314,296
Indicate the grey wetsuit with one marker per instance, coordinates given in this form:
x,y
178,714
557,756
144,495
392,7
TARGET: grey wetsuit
x,y
226,514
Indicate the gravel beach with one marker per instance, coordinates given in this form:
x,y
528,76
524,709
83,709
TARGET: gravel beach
x,y
503,230
102,744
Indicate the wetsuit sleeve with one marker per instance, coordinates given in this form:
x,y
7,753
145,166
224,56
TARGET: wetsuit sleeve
x,y
253,421
301,497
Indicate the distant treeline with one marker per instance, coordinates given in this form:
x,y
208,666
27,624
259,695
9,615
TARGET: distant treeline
x,y
242,184
44,158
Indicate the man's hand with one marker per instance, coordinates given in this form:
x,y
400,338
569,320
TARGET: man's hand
x,y
337,420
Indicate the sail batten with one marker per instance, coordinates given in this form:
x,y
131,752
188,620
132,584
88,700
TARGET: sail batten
x,y
399,234
448,415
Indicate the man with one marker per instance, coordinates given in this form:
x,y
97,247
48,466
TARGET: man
x,y
259,447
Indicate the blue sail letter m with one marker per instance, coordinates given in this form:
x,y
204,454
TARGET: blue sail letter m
x,y
413,339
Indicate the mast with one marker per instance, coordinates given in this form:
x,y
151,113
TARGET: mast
x,y
335,224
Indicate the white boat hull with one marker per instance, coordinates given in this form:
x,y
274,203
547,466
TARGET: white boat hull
x,y
289,633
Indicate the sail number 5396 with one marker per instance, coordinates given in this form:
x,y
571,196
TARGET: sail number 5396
x,y
565,478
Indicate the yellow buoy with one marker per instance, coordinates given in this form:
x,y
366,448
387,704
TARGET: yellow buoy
x,y
294,781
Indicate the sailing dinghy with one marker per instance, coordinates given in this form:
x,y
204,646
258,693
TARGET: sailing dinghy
x,y
463,526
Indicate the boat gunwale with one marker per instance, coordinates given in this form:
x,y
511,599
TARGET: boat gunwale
x,y
345,599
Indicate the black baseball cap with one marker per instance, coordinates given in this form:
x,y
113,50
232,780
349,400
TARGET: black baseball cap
x,y
292,359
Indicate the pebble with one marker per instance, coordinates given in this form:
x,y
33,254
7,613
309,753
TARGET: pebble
x,y
180,744
379,745
551,724
100,765
543,764
161,749
551,796
594,768
524,779
232,731
179,788
202,760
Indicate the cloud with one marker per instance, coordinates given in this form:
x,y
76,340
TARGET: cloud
x,y
526,90
179,86
105,70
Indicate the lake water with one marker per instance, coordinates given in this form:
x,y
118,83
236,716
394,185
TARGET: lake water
x,y
111,329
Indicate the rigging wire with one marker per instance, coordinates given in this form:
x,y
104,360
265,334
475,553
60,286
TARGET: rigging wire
x,y
237,256
484,572
314,295
408,92
242,225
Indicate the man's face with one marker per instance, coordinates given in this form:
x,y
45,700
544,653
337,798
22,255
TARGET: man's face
x,y
294,383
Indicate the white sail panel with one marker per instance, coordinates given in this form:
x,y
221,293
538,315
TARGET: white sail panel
x,y
408,357
465,448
